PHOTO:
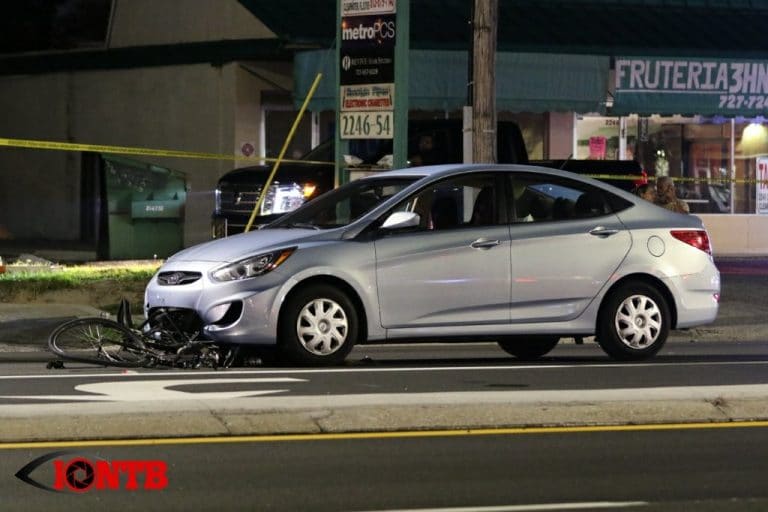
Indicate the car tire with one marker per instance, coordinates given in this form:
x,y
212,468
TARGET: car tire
x,y
634,322
528,348
319,326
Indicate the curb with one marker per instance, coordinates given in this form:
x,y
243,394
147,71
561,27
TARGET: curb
x,y
382,413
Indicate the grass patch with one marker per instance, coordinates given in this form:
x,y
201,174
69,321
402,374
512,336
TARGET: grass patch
x,y
73,277
29,286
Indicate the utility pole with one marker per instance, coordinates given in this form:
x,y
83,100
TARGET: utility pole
x,y
486,16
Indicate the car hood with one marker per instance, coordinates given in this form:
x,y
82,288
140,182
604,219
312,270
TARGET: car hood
x,y
235,248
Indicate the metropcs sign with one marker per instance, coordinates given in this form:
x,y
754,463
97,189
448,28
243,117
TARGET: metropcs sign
x,y
369,30
691,86
367,69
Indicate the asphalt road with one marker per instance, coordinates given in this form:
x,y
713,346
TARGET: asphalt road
x,y
388,389
401,369
671,469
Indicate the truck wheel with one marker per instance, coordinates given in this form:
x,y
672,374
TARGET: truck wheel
x,y
319,326
528,348
634,322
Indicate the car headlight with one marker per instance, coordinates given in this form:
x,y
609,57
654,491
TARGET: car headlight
x,y
283,198
252,267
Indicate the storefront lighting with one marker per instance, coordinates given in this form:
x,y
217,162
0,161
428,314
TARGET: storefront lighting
x,y
753,130
754,140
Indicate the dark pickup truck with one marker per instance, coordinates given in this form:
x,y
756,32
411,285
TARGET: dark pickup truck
x,y
429,142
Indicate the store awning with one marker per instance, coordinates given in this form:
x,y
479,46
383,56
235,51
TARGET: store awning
x,y
525,82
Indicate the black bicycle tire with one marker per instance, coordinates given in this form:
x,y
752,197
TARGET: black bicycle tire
x,y
128,339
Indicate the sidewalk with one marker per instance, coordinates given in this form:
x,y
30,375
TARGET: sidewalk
x,y
25,327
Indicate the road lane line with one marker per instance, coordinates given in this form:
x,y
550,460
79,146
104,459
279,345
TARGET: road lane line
x,y
534,507
606,365
115,443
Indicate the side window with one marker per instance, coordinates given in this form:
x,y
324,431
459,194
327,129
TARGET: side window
x,y
540,198
458,202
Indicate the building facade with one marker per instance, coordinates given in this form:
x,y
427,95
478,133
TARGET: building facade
x,y
612,79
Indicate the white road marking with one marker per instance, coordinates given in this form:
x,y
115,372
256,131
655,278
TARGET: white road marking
x,y
153,390
260,371
530,508
569,398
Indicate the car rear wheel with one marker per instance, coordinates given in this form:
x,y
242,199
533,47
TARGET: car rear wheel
x,y
634,322
319,326
528,348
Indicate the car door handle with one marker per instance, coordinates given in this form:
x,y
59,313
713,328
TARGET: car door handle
x,y
484,243
602,231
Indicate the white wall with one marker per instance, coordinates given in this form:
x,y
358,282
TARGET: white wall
x,y
188,108
737,235
199,107
251,79
35,183
153,22
559,143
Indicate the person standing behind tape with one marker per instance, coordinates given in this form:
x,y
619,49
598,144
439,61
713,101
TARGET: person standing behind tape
x,y
667,198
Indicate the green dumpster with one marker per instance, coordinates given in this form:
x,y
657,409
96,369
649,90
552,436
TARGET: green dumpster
x,y
145,209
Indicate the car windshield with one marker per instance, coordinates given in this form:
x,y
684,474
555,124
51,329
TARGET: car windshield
x,y
345,204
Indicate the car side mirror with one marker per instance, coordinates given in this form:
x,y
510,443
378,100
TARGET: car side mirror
x,y
400,220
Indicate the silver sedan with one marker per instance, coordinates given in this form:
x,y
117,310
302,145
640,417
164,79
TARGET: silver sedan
x,y
516,254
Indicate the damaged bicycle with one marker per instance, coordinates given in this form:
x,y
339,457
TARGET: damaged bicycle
x,y
168,337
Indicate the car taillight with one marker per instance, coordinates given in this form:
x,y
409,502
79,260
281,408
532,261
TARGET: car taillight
x,y
698,238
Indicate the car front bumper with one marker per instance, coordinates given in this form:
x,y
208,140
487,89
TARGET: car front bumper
x,y
238,312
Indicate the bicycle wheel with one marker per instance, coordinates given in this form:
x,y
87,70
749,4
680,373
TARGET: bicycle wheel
x,y
98,341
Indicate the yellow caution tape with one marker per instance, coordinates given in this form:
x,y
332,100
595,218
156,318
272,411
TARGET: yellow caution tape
x,y
637,177
124,150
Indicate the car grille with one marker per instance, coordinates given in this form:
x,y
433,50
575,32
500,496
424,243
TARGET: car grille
x,y
232,198
177,277
173,326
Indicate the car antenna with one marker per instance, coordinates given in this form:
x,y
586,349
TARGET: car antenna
x,y
565,161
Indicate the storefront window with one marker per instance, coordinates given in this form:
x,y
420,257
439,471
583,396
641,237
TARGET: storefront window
x,y
597,138
751,151
706,149
532,127
694,150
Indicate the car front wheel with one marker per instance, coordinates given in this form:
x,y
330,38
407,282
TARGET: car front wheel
x,y
634,322
528,348
319,326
